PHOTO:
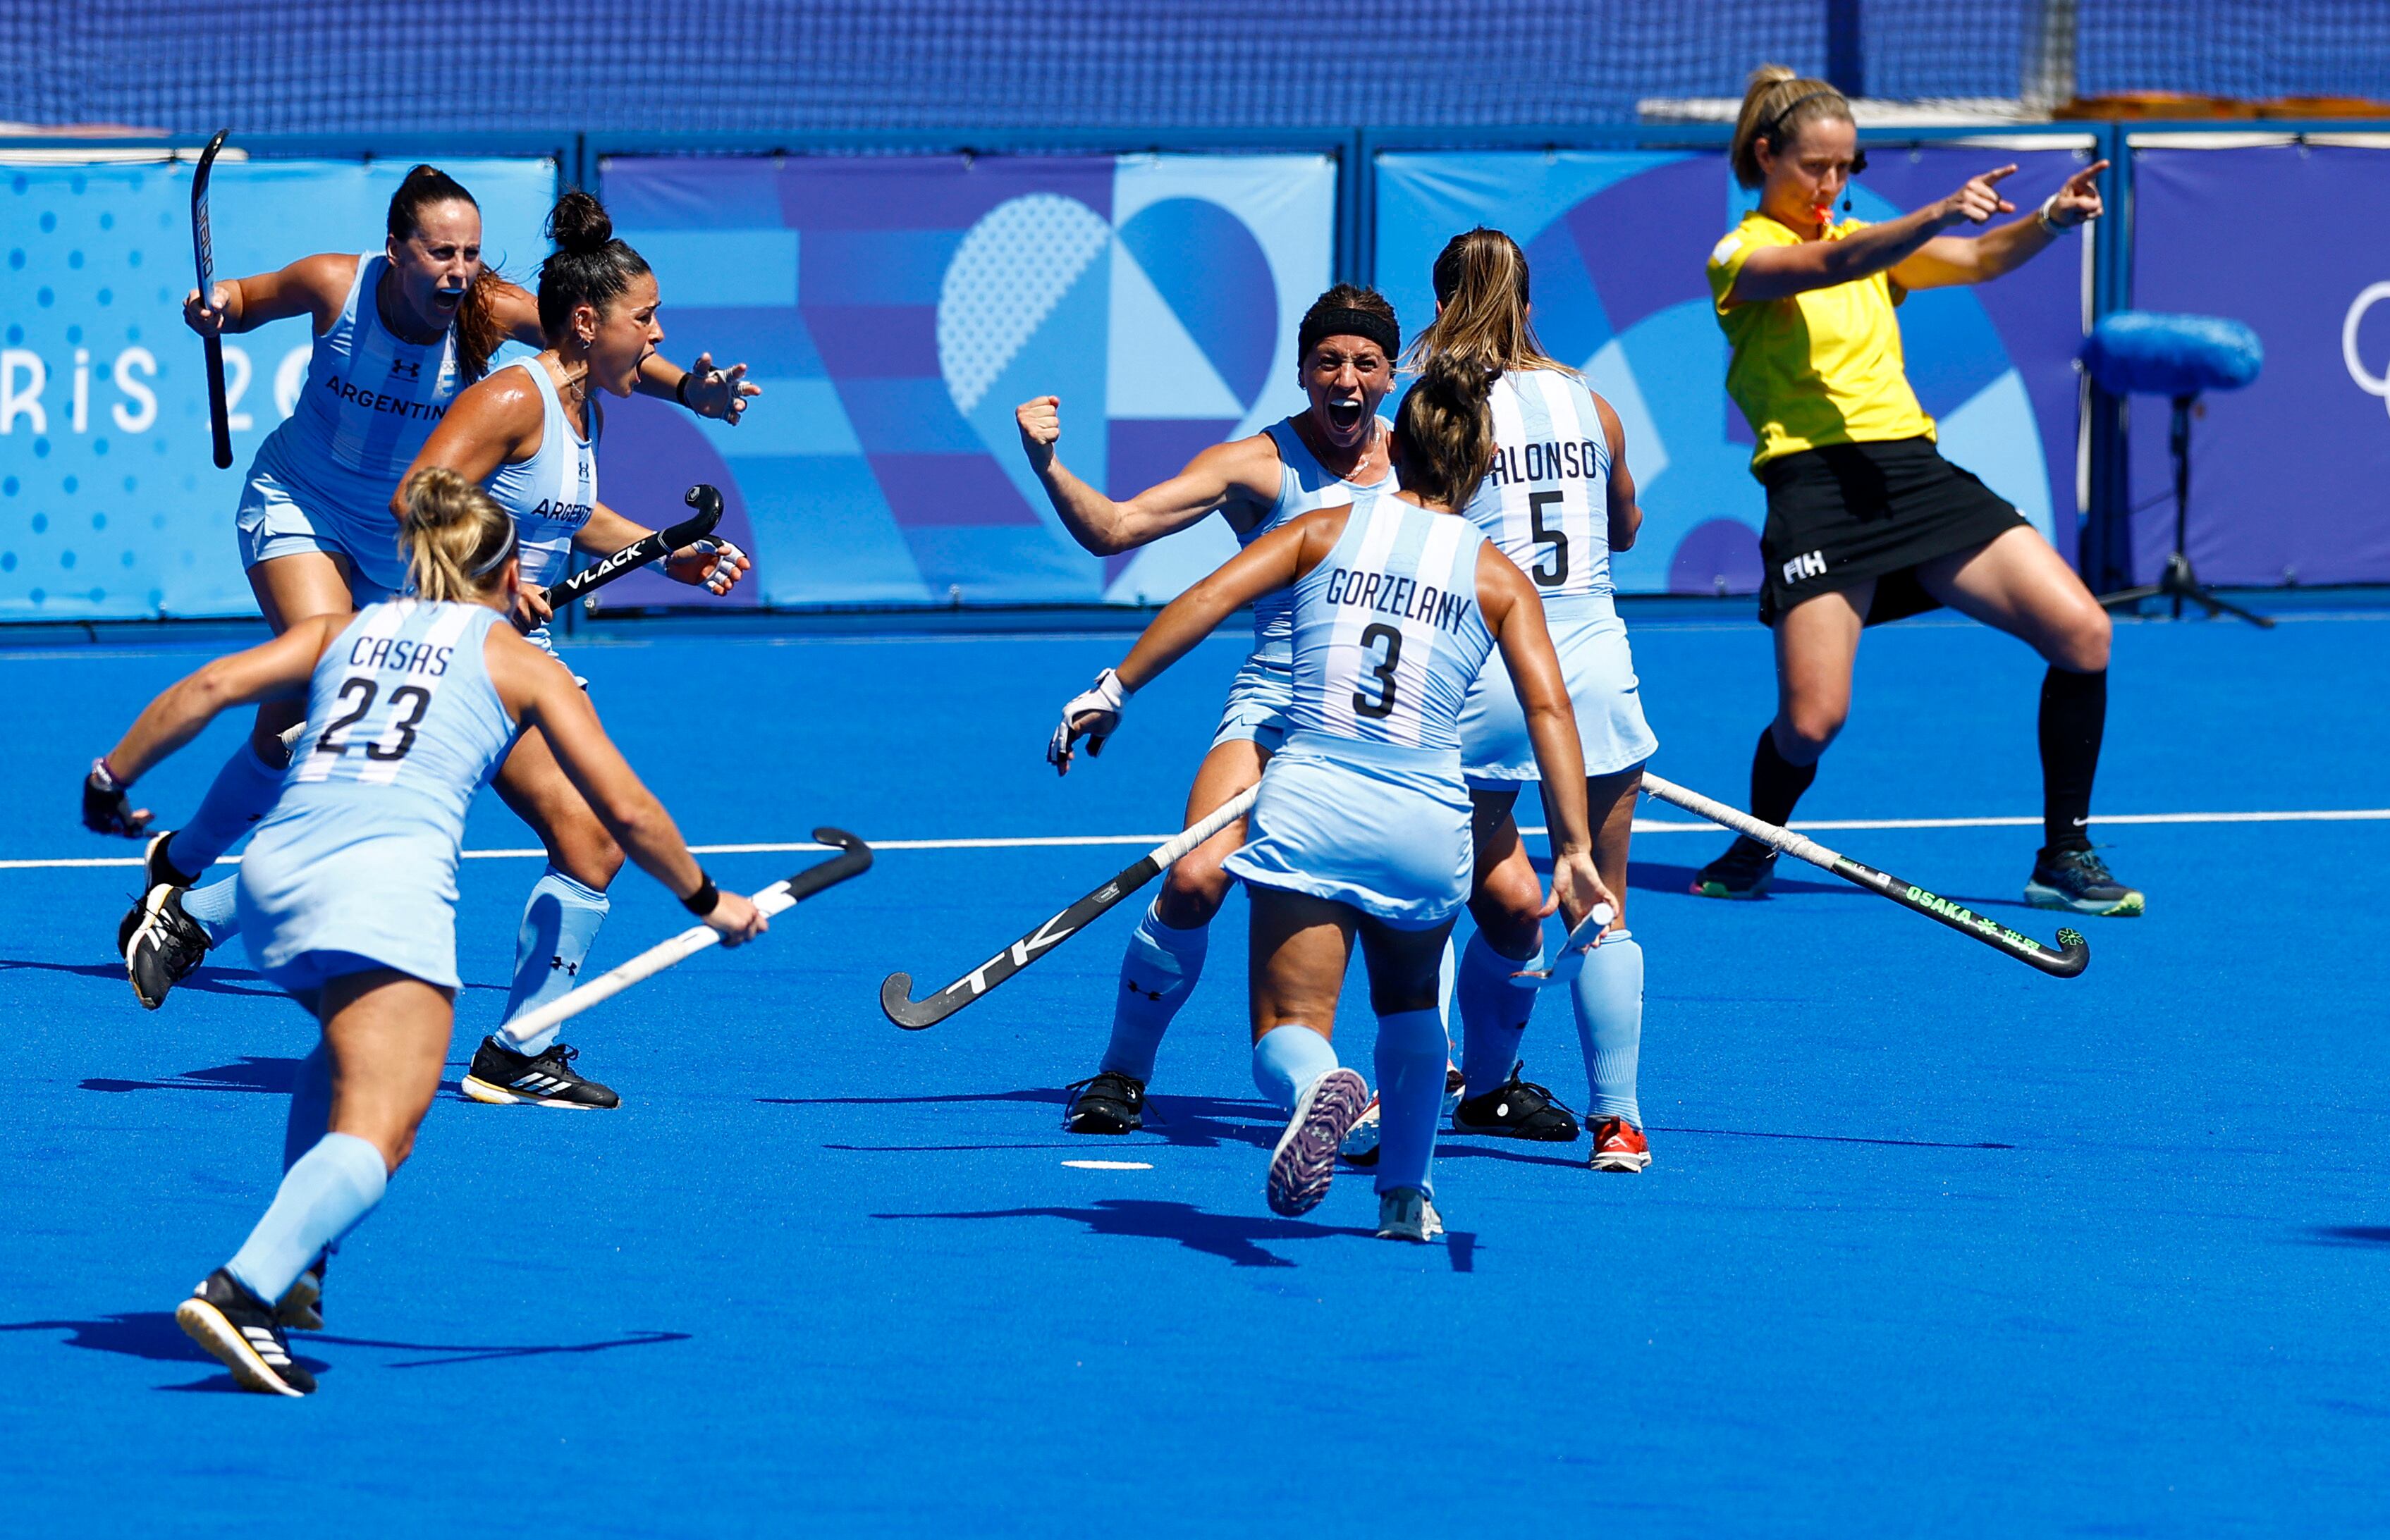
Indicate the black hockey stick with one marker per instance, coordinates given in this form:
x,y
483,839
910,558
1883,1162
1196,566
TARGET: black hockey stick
x,y
896,990
638,552
2070,956
203,249
854,858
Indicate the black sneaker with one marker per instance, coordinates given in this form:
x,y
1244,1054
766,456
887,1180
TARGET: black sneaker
x,y
1109,1102
163,945
240,1331
500,1075
301,1308
1516,1110
1744,871
2079,880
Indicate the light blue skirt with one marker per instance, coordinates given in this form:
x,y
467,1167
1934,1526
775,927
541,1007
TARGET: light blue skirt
x,y
341,884
1591,641
337,513
1258,697
1382,828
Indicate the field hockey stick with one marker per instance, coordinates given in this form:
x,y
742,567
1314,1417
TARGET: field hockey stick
x,y
646,548
896,990
854,858
203,250
2070,956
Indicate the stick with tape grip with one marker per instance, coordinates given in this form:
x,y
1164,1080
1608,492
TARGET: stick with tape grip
x,y
2070,956
638,552
854,858
896,990
203,250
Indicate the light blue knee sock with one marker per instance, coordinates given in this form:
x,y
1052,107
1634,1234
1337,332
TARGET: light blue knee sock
x,y
559,924
311,1106
1288,1060
1494,1011
1444,973
1610,1025
1410,1098
243,792
1156,977
322,1196
212,906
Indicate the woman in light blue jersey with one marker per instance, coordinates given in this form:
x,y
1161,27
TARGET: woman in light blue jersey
x,y
398,333
348,890
1333,454
1362,829
1558,500
529,433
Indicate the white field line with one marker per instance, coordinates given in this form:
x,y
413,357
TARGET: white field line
x,y
1642,826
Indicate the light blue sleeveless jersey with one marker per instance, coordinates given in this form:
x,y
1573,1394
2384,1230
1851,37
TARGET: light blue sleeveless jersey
x,y
356,866
553,494
1303,484
1387,633
1545,500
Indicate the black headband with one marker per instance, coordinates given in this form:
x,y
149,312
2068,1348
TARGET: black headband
x,y
1340,321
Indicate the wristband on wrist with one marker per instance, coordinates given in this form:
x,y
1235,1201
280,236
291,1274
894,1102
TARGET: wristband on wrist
x,y
680,390
2049,221
702,902
103,777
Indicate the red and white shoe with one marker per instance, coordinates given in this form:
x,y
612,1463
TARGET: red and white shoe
x,y
1619,1145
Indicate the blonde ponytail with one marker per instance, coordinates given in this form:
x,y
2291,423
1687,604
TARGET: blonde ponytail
x,y
454,536
1775,105
1480,292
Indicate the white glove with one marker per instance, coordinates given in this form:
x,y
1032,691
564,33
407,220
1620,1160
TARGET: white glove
x,y
1096,713
733,563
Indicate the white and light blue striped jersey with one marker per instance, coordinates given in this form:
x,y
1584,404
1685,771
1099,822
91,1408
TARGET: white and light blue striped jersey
x,y
403,700
371,398
1545,500
1303,484
552,493
1387,632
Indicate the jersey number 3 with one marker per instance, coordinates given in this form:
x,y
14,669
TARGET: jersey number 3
x,y
412,700
1384,672
1556,573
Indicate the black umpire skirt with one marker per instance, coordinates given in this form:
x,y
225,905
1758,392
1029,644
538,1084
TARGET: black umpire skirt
x,y
1840,515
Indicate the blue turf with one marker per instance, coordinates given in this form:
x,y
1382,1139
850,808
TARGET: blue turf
x,y
1933,1245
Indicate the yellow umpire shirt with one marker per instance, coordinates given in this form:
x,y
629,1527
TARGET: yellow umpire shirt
x,y
1820,368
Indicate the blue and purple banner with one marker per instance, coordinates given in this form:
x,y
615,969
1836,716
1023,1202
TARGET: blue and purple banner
x,y
2290,478
896,308
1617,242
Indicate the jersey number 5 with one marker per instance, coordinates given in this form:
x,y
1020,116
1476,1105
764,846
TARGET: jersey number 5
x,y
1384,672
414,699
1557,573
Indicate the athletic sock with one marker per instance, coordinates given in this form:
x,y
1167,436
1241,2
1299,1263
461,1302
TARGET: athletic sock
x,y
1776,782
1447,973
1288,1060
1494,1012
214,907
311,1106
559,924
1410,1096
322,1196
1609,998
1157,975
242,794
2073,717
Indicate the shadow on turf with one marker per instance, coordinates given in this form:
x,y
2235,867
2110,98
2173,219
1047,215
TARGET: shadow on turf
x,y
1235,1239
2351,1235
152,1334
1194,1122
211,981
1657,878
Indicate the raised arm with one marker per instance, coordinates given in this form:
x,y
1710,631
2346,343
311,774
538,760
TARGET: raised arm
x,y
544,696
1949,260
1274,561
1626,514
710,392
1780,272
1515,615
1246,472
314,287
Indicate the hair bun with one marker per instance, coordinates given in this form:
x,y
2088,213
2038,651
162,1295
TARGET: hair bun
x,y
579,222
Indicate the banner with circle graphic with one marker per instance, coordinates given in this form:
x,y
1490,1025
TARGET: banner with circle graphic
x,y
111,502
1616,243
896,309
2289,480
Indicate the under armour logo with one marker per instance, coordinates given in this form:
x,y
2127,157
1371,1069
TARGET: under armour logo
x,y
405,368
1809,566
1130,984
556,965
